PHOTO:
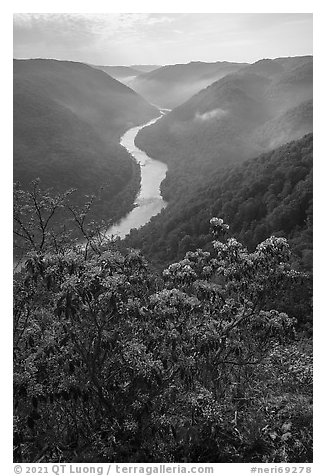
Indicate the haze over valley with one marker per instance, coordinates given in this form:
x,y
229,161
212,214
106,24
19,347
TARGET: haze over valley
x,y
172,85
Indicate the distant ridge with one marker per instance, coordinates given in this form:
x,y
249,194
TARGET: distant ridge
x,y
118,72
171,85
125,74
145,67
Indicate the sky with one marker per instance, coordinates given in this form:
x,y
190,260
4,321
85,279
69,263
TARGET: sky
x,y
161,38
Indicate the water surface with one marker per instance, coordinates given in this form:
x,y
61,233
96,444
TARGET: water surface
x,y
149,201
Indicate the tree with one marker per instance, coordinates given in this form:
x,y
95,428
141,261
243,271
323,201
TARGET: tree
x,y
35,211
48,221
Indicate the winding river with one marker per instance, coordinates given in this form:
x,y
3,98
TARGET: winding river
x,y
149,201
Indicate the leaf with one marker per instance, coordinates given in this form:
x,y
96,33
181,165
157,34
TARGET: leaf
x,y
286,436
286,427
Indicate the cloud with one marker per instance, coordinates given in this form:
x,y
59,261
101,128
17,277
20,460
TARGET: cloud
x,y
35,30
162,38
214,114
105,23
155,20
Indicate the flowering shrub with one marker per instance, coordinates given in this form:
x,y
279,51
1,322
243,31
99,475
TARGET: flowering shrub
x,y
113,363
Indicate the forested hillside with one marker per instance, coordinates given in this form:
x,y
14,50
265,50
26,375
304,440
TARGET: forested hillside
x,y
171,85
238,117
68,120
271,194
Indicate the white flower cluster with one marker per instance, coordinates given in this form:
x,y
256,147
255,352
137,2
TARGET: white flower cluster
x,y
180,271
273,242
218,224
219,246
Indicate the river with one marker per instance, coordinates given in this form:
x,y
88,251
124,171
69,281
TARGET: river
x,y
149,201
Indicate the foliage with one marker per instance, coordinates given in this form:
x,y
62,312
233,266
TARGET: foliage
x,y
44,220
114,363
